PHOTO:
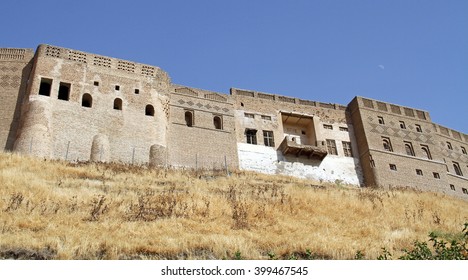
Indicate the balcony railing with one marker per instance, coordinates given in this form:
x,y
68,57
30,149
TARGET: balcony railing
x,y
289,147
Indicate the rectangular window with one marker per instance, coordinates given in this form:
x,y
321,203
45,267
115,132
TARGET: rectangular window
x,y
137,91
393,167
45,87
347,149
418,128
452,187
96,83
117,87
342,128
248,115
463,150
419,172
436,175
328,126
251,136
267,118
372,162
465,191
331,146
268,138
64,91
402,125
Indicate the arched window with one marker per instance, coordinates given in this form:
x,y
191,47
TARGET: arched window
x,y
457,169
409,149
189,118
387,145
149,110
426,152
118,104
87,100
218,122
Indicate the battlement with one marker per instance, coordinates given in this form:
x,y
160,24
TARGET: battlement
x,y
286,99
104,62
15,54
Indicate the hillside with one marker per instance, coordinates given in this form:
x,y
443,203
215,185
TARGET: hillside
x,y
60,210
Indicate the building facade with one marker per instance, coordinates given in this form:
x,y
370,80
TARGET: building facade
x,y
66,104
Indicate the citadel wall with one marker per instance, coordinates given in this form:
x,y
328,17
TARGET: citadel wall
x,y
67,104
201,130
401,147
82,106
313,125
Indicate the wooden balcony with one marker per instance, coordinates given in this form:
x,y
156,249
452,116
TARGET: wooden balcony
x,y
289,147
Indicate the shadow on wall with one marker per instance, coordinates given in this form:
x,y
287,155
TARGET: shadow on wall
x,y
17,113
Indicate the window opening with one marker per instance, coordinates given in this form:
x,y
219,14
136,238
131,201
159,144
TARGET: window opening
x,y
347,149
402,125
149,110
218,122
409,149
381,120
87,100
331,146
387,145
64,91
189,118
268,138
251,136
118,104
457,169
45,87
426,151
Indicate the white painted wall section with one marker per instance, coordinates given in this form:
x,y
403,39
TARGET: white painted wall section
x,y
331,169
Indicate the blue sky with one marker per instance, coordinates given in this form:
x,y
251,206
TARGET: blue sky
x,y
408,52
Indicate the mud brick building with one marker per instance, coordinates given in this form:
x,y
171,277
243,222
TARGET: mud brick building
x,y
66,104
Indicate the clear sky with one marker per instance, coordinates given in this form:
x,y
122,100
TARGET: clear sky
x,y
408,52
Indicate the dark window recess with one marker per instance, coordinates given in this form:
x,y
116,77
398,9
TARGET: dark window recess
x,y
251,136
117,87
393,167
436,175
189,118
96,83
419,172
45,87
87,100
137,91
118,104
452,187
218,122
64,91
149,110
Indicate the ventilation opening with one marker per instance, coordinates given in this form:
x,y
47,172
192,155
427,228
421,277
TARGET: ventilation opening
x,y
149,110
44,88
64,91
189,118
218,122
118,104
87,100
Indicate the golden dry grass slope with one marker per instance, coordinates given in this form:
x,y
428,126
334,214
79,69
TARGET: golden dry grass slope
x,y
60,210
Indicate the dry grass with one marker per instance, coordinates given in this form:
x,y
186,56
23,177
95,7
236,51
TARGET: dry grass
x,y
57,210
